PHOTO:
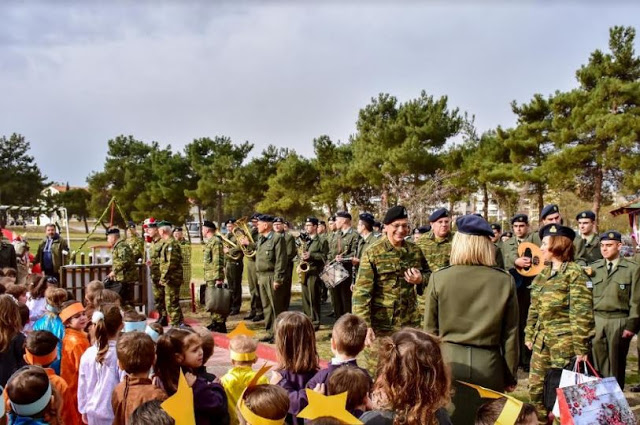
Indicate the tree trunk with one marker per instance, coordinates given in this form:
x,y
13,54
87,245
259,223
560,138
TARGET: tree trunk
x,y
597,195
86,225
384,199
219,207
200,222
540,188
485,201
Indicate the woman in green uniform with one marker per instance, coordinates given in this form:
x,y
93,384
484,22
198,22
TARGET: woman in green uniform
x,y
560,322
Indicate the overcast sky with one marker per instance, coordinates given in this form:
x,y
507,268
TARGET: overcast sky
x,y
74,75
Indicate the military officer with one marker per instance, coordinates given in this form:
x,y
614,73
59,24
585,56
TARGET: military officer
x,y
171,276
185,249
271,265
331,232
550,214
384,293
419,232
342,248
365,230
284,296
587,243
497,231
213,262
314,253
615,283
155,247
123,266
256,313
7,254
560,324
322,229
472,306
377,229
233,266
135,242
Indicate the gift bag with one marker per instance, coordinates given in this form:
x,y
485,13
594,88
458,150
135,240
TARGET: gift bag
x,y
218,300
569,378
595,402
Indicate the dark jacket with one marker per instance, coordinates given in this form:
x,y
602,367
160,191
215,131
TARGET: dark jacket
x,y
323,375
11,359
59,249
295,384
7,255
210,402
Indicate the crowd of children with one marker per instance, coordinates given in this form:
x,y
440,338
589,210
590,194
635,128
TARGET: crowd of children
x,y
71,362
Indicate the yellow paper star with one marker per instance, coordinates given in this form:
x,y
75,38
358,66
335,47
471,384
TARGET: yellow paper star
x,y
511,409
333,406
180,405
241,329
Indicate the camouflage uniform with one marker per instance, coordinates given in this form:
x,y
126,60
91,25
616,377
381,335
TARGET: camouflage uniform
x,y
136,244
254,289
616,307
345,244
559,329
271,264
155,248
587,251
124,267
213,261
233,270
437,252
185,250
171,278
381,295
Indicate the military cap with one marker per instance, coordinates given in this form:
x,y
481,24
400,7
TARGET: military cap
x,y
324,223
131,225
611,235
230,220
151,222
507,234
113,231
367,218
164,223
278,220
209,224
377,224
496,226
255,216
266,218
586,214
177,229
554,229
313,221
422,229
549,209
332,218
343,214
471,224
395,213
520,218
438,214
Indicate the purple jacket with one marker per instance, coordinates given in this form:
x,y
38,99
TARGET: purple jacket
x,y
322,377
210,402
295,384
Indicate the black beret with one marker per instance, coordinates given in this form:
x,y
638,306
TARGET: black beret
x,y
423,229
131,225
255,216
367,218
209,224
520,218
507,234
230,220
312,220
395,213
496,226
324,223
611,235
343,214
471,224
554,229
266,218
438,214
549,209
332,218
113,231
278,220
164,223
177,229
377,224
586,214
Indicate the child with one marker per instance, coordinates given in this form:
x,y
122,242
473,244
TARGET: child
x,y
182,348
489,412
154,330
134,321
357,383
51,322
11,338
207,351
242,350
136,355
102,297
99,373
264,401
24,317
74,344
36,302
297,358
90,293
30,388
413,384
18,292
150,413
41,350
347,341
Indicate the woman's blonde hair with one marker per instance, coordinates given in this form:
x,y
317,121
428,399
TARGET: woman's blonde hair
x,y
472,250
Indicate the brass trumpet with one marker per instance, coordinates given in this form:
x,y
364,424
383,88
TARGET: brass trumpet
x,y
229,244
241,230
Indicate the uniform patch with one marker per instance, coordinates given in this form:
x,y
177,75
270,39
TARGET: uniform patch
x,y
589,284
622,286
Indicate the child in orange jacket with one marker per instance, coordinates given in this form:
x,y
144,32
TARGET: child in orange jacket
x,y
74,344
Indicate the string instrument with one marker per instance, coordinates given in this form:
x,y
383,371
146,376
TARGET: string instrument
x,y
530,250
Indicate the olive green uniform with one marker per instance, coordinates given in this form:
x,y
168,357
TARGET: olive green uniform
x,y
155,248
616,307
233,267
136,243
312,285
284,297
213,262
171,277
185,250
343,243
587,250
7,255
271,264
254,289
124,268
474,309
437,251
560,324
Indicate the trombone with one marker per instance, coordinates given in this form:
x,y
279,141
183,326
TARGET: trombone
x,y
229,244
241,230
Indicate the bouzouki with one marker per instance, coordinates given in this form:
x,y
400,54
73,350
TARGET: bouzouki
x,y
530,250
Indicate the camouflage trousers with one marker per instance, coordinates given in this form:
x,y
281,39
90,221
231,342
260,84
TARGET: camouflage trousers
x,y
547,353
215,317
158,298
254,289
172,303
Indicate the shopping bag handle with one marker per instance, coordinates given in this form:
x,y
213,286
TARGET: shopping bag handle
x,y
587,363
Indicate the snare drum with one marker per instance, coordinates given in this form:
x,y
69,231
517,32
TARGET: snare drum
x,y
334,274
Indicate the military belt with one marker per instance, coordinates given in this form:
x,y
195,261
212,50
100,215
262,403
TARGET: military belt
x,y
612,314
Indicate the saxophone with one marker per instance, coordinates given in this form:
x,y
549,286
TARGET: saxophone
x,y
303,241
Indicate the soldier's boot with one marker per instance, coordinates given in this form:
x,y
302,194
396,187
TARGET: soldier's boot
x,y
223,328
250,316
163,321
258,318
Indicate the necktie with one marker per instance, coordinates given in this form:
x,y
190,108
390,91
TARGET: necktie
x,y
609,267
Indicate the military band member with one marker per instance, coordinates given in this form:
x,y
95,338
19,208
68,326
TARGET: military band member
x,y
271,265
234,266
284,297
315,254
342,248
213,262
256,313
497,231
615,282
377,229
155,247
419,232
135,242
587,243
365,229
322,229
185,249
123,266
472,306
550,214
331,232
171,276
